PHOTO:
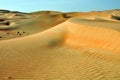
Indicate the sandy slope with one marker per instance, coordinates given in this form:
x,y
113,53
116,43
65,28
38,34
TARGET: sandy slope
x,y
36,23
77,49
89,15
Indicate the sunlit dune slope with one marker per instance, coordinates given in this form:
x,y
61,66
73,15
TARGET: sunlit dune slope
x,y
77,49
94,34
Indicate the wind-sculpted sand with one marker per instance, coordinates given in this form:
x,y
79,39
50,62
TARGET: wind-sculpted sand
x,y
55,46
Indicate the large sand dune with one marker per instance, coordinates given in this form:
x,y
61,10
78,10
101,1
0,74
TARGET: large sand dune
x,y
60,46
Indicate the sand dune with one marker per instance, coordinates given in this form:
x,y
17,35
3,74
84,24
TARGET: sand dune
x,y
19,24
89,15
59,48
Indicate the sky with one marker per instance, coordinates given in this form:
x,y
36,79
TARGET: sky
x,y
59,5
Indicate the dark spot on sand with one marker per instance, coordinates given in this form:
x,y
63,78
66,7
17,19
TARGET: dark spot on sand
x,y
18,32
10,78
7,23
8,33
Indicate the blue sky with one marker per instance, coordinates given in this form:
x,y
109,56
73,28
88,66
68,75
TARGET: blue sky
x,y
59,5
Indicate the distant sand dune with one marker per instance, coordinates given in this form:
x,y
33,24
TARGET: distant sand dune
x,y
89,15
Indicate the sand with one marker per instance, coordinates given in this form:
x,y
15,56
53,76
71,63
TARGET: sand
x,y
54,46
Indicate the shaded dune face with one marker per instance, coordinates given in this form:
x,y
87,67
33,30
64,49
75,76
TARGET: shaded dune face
x,y
76,49
116,17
